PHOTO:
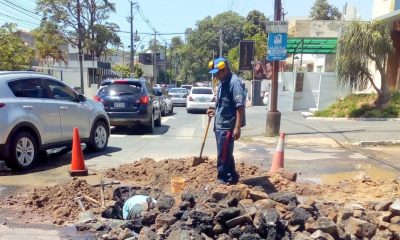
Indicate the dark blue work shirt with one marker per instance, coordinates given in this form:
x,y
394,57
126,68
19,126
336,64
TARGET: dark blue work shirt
x,y
230,96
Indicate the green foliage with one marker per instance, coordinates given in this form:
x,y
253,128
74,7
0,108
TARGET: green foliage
x,y
189,59
122,69
48,43
361,106
138,72
95,34
14,53
360,44
322,10
104,36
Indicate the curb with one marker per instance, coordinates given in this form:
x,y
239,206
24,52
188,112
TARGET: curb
x,y
353,119
377,143
310,116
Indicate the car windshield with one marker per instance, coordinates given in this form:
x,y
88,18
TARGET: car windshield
x,y
120,89
202,91
178,90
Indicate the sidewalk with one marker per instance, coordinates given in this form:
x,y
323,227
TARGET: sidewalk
x,y
302,131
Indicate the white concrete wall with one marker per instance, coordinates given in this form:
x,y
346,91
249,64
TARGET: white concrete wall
x,y
330,91
319,91
382,7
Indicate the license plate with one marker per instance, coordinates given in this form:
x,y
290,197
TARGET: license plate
x,y
119,105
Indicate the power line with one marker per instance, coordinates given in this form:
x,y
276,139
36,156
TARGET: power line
x,y
27,10
22,20
16,9
121,31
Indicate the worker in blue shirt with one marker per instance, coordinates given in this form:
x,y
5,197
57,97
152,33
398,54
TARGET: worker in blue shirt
x,y
229,118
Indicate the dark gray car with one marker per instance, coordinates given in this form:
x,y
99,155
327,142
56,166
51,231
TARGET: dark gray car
x,y
130,102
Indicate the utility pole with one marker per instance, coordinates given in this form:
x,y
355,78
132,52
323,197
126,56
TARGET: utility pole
x,y
220,43
155,59
80,47
132,47
274,116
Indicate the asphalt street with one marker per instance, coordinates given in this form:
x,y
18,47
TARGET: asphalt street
x,y
319,150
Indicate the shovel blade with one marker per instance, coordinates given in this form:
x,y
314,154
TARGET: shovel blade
x,y
198,160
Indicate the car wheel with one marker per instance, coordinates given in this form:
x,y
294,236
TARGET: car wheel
x,y
23,151
157,122
99,137
150,125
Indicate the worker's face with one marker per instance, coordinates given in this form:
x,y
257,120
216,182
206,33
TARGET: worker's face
x,y
221,74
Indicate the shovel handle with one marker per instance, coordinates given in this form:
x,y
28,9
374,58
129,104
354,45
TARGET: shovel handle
x,y
205,136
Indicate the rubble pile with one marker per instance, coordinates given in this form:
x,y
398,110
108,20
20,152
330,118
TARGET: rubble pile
x,y
58,203
247,212
261,206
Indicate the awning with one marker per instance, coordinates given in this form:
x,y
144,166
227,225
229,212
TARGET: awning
x,y
311,45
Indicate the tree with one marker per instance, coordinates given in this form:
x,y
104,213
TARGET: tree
x,y
14,53
360,44
105,35
98,34
76,21
48,44
255,23
204,40
322,10
138,71
122,69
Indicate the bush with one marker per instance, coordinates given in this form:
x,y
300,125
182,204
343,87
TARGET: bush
x,y
361,106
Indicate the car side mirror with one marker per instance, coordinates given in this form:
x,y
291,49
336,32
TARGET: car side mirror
x,y
81,98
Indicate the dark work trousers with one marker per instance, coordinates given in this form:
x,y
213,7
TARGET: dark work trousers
x,y
226,163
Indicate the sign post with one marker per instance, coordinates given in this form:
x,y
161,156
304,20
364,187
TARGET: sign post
x,y
277,41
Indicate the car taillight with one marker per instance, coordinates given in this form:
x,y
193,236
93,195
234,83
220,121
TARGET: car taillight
x,y
190,98
213,99
2,105
97,98
144,100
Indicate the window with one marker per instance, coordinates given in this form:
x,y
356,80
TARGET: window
x,y
29,88
202,91
120,89
61,91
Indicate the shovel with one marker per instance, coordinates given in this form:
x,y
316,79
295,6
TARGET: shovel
x,y
199,160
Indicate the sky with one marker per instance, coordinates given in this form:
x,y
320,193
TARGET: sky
x,y
174,16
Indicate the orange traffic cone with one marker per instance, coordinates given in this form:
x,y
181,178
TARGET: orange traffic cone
x,y
77,163
277,162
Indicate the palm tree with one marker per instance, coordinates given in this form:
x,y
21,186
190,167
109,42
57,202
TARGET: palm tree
x,y
360,44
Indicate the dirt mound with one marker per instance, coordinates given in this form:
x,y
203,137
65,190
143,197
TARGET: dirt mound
x,y
148,172
58,204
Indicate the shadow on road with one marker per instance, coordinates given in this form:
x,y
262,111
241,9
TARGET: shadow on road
x,y
138,130
56,161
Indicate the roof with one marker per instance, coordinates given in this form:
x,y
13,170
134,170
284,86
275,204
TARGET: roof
x,y
300,45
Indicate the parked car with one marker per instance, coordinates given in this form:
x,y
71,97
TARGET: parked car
x,y
130,102
188,87
166,105
178,96
200,98
39,112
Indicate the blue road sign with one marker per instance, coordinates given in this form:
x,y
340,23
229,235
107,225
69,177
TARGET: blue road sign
x,y
277,46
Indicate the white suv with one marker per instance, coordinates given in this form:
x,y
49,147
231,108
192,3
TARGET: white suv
x,y
39,112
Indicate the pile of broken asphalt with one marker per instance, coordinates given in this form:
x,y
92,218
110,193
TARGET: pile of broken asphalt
x,y
261,206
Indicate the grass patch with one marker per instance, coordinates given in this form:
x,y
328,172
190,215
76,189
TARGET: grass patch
x,y
361,106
